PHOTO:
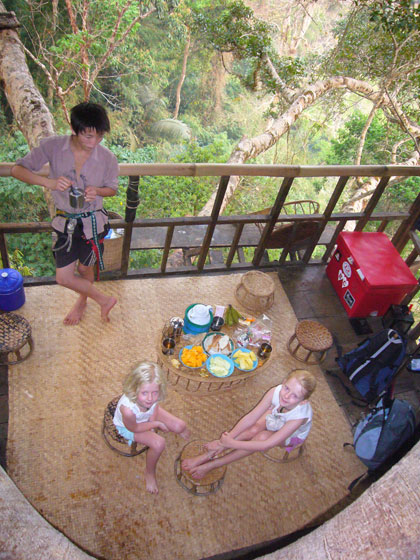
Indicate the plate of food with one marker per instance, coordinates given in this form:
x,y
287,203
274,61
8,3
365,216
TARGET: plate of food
x,y
192,357
218,343
244,359
219,365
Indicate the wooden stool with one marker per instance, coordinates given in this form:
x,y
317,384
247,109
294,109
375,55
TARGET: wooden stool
x,y
313,337
255,291
281,455
15,335
206,485
113,438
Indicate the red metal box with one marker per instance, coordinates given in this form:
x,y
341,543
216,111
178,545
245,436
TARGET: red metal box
x,y
368,273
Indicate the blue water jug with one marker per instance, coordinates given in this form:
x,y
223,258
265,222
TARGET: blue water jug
x,y
12,295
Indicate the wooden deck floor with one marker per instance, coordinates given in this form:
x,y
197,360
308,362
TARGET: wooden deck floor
x,y
312,297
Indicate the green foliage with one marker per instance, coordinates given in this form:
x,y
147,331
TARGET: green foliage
x,y
231,26
17,262
377,148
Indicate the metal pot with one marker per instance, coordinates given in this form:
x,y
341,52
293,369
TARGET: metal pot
x,y
77,198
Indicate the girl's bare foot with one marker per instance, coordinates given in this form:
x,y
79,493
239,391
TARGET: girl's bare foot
x,y
106,308
75,314
200,471
185,434
151,483
193,462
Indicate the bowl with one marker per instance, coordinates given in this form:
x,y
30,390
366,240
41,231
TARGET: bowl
x,y
180,358
247,351
226,358
211,338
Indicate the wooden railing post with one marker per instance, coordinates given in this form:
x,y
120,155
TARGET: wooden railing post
x,y
373,201
214,215
132,201
403,233
274,214
3,251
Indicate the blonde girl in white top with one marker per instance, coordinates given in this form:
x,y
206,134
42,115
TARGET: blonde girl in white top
x,y
282,418
139,414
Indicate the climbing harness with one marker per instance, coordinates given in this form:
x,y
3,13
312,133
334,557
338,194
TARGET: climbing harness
x,y
94,242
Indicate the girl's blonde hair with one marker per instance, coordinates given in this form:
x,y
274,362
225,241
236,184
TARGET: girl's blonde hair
x,y
144,372
305,378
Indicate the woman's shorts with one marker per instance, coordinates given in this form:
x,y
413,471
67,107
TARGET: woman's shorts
x,y
80,249
129,436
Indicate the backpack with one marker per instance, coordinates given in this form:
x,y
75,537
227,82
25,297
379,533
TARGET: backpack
x,y
372,366
382,432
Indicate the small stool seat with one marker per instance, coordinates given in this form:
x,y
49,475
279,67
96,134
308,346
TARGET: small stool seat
x,y
16,343
115,440
255,291
282,455
310,336
209,484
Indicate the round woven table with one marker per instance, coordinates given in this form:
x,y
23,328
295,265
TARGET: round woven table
x,y
16,343
310,337
209,484
199,381
255,291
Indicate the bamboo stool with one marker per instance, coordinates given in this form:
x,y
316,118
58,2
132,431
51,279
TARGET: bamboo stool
x,y
312,337
281,455
255,291
15,335
206,485
113,438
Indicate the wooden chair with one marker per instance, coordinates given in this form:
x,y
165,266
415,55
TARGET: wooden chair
x,y
295,236
112,438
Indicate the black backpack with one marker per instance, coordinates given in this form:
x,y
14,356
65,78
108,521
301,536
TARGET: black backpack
x,y
372,366
382,433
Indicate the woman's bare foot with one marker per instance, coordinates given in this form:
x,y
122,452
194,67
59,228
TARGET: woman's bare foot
x,y
75,314
193,462
151,483
106,308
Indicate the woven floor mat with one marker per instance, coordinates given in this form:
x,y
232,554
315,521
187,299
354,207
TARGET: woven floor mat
x,y
57,457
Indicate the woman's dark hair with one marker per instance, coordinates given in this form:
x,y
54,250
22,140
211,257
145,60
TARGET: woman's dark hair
x,y
89,115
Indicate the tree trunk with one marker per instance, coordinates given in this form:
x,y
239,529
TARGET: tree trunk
x,y
183,74
27,104
252,147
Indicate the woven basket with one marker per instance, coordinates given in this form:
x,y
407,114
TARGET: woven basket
x,y
113,248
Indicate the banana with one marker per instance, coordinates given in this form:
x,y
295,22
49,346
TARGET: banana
x,y
228,317
235,315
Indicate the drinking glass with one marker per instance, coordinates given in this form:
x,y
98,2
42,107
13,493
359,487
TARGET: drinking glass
x,y
168,345
265,350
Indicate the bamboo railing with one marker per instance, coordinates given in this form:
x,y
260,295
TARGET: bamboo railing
x,y
330,217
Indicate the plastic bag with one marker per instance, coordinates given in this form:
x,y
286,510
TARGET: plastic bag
x,y
260,330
